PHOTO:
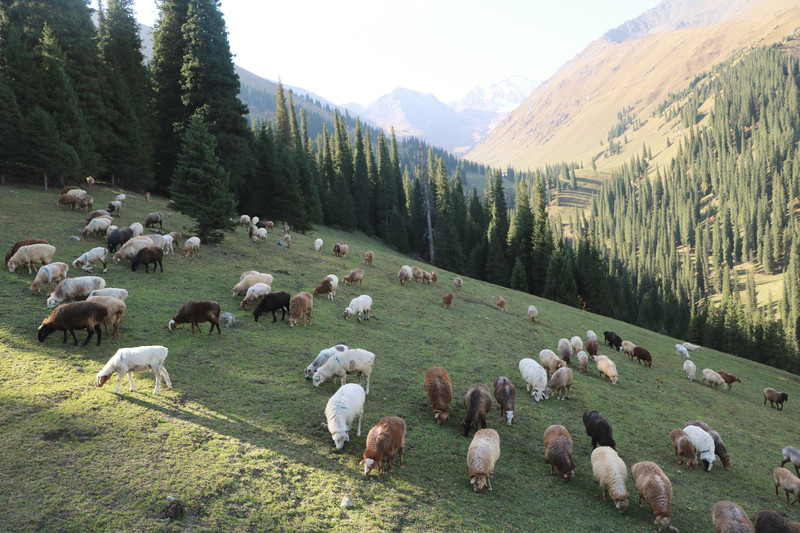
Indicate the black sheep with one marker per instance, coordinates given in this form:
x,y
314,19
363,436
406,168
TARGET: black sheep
x,y
612,339
196,312
273,301
72,316
599,429
150,255
478,403
118,238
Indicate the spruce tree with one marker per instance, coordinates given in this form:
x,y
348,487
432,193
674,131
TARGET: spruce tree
x,y
560,283
519,279
360,187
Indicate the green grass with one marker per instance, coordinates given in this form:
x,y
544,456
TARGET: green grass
x,y
239,439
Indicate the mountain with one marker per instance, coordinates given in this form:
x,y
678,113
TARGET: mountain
x,y
501,98
632,68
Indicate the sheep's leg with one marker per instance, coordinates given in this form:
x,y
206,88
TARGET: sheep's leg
x,y
359,423
165,374
130,377
64,341
119,382
157,373
367,391
99,334
218,330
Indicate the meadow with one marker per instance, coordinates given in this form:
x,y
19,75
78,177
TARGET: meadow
x,y
239,440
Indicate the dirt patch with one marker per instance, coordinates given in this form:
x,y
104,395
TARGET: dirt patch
x,y
69,434
474,301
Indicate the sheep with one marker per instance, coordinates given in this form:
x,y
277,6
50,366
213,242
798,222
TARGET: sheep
x,y
118,237
72,316
300,307
94,255
168,246
115,309
550,361
703,444
30,254
121,198
447,300
150,255
383,440
439,388
158,240
191,247
558,451
255,293
483,453
535,377
354,276
599,429
250,279
254,220
577,344
326,286
714,379
583,361
337,249
560,382
691,347
654,487
286,228
607,367
680,349
642,356
137,229
788,482
728,517
77,193
500,302
683,447
343,249
68,188
775,397
115,208
533,313
195,313
791,455
323,356
90,181
16,246
612,475
98,213
96,226
592,347
131,248
176,237
86,202
434,276
153,219
49,273
147,196
119,294
565,349
477,403
627,348
74,289
403,276
689,369
427,277
416,274
355,361
318,245
244,221
719,446
369,256
612,339
360,306
458,282
287,239
342,408
270,224
769,521
591,335
728,378
67,199
506,394
274,301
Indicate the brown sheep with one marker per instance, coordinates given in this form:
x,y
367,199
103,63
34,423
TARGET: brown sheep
x,y
325,287
500,302
483,453
368,257
769,521
417,273
383,440
287,239
434,276
592,347
447,300
354,276
403,276
728,378
683,447
558,451
440,392
150,255
730,518
147,196
116,311
477,403
300,307
505,393
458,282
655,488
68,188
337,249
775,397
196,312
67,199
72,316
642,356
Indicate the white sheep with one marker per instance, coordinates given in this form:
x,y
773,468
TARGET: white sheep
x,y
158,240
30,254
318,245
680,349
591,335
254,220
49,273
703,444
577,344
535,377
323,356
260,236
691,347
94,255
714,379
689,369
255,293
97,226
249,280
612,475
583,361
137,359
74,289
191,247
342,408
355,361
121,198
791,455
137,229
244,221
119,294
169,245
360,306
533,313
77,193
608,368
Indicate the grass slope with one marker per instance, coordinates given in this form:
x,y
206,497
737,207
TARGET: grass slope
x,y
239,439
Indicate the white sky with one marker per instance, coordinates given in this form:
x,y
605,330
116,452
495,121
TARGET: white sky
x,y
359,50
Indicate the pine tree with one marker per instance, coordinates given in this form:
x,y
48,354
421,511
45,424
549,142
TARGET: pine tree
x,y
360,187
519,280
41,150
520,234
10,129
560,283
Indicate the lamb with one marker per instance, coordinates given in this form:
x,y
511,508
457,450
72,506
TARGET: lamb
x,y
131,248
592,347
719,446
654,487
255,293
74,289
607,367
270,224
49,273
416,274
94,255
533,313
300,307
483,453
683,447
477,403
583,361
427,277
115,311
323,356
791,455
119,294
249,279
151,255
369,256
318,245
506,394
535,377
354,276
176,237
591,335
612,475
558,451
500,302
72,316
680,349
612,339
728,517
67,199
96,226
439,388
137,229
565,349
689,369
86,202
195,313
30,254
121,198
355,361
775,397
114,207
274,301
360,306
342,408
16,246
642,356
383,440
286,228
287,239
447,300
599,429
691,347
550,361
191,247
714,379
788,482
458,282
153,219
577,344
118,237
326,286
560,382
728,378
703,444
627,348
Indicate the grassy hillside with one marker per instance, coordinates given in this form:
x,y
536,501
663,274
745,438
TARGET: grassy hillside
x,y
239,439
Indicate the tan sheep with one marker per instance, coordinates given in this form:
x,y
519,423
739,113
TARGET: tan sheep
x,y
612,475
654,487
608,368
369,256
550,361
728,517
683,447
249,280
49,273
483,453
558,451
115,309
560,383
500,302
788,482
300,307
31,254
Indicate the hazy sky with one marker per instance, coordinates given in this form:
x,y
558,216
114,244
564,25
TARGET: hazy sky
x,y
359,50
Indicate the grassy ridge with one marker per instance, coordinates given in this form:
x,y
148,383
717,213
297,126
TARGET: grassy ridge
x,y
239,439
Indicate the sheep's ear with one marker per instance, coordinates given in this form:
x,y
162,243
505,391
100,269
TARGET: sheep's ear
x,y
362,461
473,479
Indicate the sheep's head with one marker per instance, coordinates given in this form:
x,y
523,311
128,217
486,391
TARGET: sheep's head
x,y
102,378
12,266
726,462
369,464
622,504
509,417
172,325
348,312
784,397
45,330
537,395
441,415
707,465
478,481
52,302
316,379
691,463
614,380
339,439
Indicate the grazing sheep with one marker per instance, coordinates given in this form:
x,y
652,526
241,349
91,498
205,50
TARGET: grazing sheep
x,y
728,378
560,382
255,293
360,306
354,276
769,521
383,440
775,397
788,482
533,313
416,273
287,239
506,394
483,453
342,408
703,444
691,347
689,369
132,247
31,254
151,255
72,316
591,335
612,475
583,361
592,347
427,277
300,307
249,279
68,188
337,249
67,199
565,349
98,213
115,309
791,455
719,446
94,255
328,286
115,208
274,301
434,276
627,348
728,517
535,377
195,313
713,379
119,294
77,193
191,247
440,392
270,224
477,403
97,226
254,220
642,356
85,202
608,368
74,289
683,447
323,356
680,349
176,236
500,302
318,245
153,219
550,361
137,229
654,487
49,273
118,237
599,429
457,281
577,344
404,274
558,451
121,198
260,235
168,246
286,228
343,248
244,221
16,246
369,256
612,339
447,300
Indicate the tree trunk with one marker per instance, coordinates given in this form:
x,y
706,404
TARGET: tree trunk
x,y
45,181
